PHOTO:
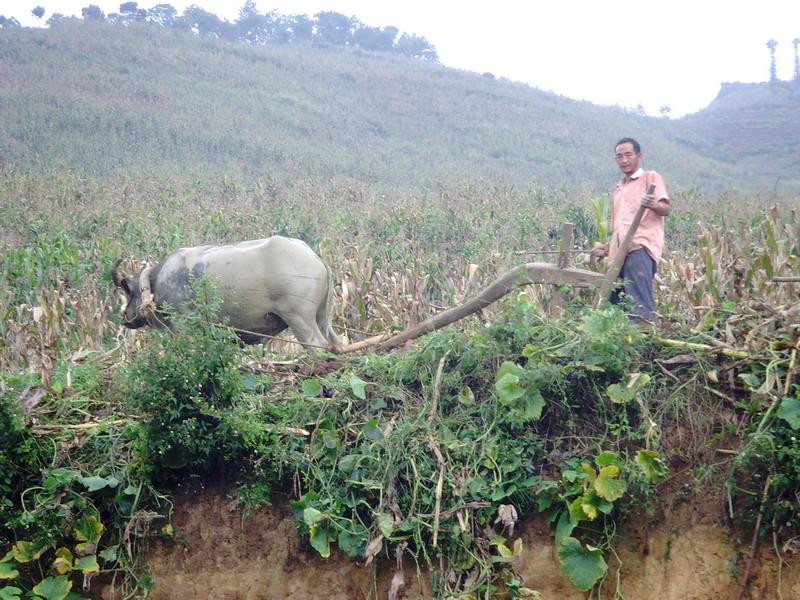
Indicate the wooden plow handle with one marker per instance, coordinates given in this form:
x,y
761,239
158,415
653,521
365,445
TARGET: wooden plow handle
x,y
612,273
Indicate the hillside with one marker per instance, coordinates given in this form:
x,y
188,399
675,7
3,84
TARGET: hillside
x,y
756,127
100,99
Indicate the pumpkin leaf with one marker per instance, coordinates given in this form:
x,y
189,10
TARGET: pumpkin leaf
x,y
608,486
25,552
311,388
88,529
311,517
583,565
354,543
10,592
88,565
62,564
8,570
651,465
789,411
385,524
53,588
320,540
359,387
96,482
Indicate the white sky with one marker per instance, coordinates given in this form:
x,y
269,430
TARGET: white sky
x,y
653,52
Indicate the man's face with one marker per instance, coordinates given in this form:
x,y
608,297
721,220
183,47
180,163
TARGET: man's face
x,y
627,158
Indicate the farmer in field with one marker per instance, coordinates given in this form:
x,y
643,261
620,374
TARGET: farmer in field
x,y
645,250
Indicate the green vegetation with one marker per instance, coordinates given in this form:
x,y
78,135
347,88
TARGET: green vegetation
x,y
437,450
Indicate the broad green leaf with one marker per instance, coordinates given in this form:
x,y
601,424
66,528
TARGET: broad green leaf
x,y
789,411
311,388
109,554
62,564
74,596
576,510
330,439
638,381
592,504
377,404
508,388
25,552
359,387
88,529
87,565
385,524
589,474
584,565
353,543
570,475
506,554
372,431
10,592
608,486
320,541
619,394
466,396
508,367
534,403
9,556
311,516
606,458
651,465
348,463
622,394
53,588
8,570
518,546
59,477
750,380
85,548
96,482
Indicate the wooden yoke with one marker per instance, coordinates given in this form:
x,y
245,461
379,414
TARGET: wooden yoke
x,y
612,273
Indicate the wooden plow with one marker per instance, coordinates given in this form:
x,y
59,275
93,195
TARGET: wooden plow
x,y
557,274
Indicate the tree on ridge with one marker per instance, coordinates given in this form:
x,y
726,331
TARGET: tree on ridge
x,y
773,74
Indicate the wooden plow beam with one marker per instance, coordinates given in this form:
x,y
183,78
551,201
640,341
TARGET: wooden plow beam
x,y
526,274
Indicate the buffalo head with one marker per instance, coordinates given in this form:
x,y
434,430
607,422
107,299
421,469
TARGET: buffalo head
x,y
132,315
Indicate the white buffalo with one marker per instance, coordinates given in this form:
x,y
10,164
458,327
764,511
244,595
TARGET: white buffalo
x,y
266,285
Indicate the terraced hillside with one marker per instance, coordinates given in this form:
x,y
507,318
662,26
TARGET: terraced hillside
x,y
98,99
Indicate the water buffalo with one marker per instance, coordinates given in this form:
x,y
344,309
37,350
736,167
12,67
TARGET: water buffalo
x,y
266,285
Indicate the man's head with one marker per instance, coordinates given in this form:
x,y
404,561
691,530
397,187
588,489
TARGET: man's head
x,y
628,153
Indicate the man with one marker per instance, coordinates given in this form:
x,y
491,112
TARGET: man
x,y
648,242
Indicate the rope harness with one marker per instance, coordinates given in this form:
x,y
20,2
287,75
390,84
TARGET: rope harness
x,y
148,305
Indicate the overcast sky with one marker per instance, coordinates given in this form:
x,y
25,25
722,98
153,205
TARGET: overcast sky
x,y
656,53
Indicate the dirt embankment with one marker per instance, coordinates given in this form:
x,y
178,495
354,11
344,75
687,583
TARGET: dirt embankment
x,y
681,554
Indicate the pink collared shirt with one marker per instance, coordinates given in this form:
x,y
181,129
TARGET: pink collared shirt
x,y
624,203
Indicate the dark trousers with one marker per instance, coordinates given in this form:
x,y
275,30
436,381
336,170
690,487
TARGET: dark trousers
x,y
637,287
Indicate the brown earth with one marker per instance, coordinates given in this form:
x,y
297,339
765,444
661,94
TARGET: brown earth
x,y
681,553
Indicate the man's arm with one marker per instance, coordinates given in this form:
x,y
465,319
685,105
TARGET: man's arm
x,y
660,207
658,202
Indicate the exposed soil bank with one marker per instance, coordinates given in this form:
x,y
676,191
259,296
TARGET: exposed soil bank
x,y
681,555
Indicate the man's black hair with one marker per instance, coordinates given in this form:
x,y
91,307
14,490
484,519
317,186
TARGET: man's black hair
x,y
636,147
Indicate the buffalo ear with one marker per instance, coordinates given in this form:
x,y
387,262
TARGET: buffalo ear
x,y
117,277
126,287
